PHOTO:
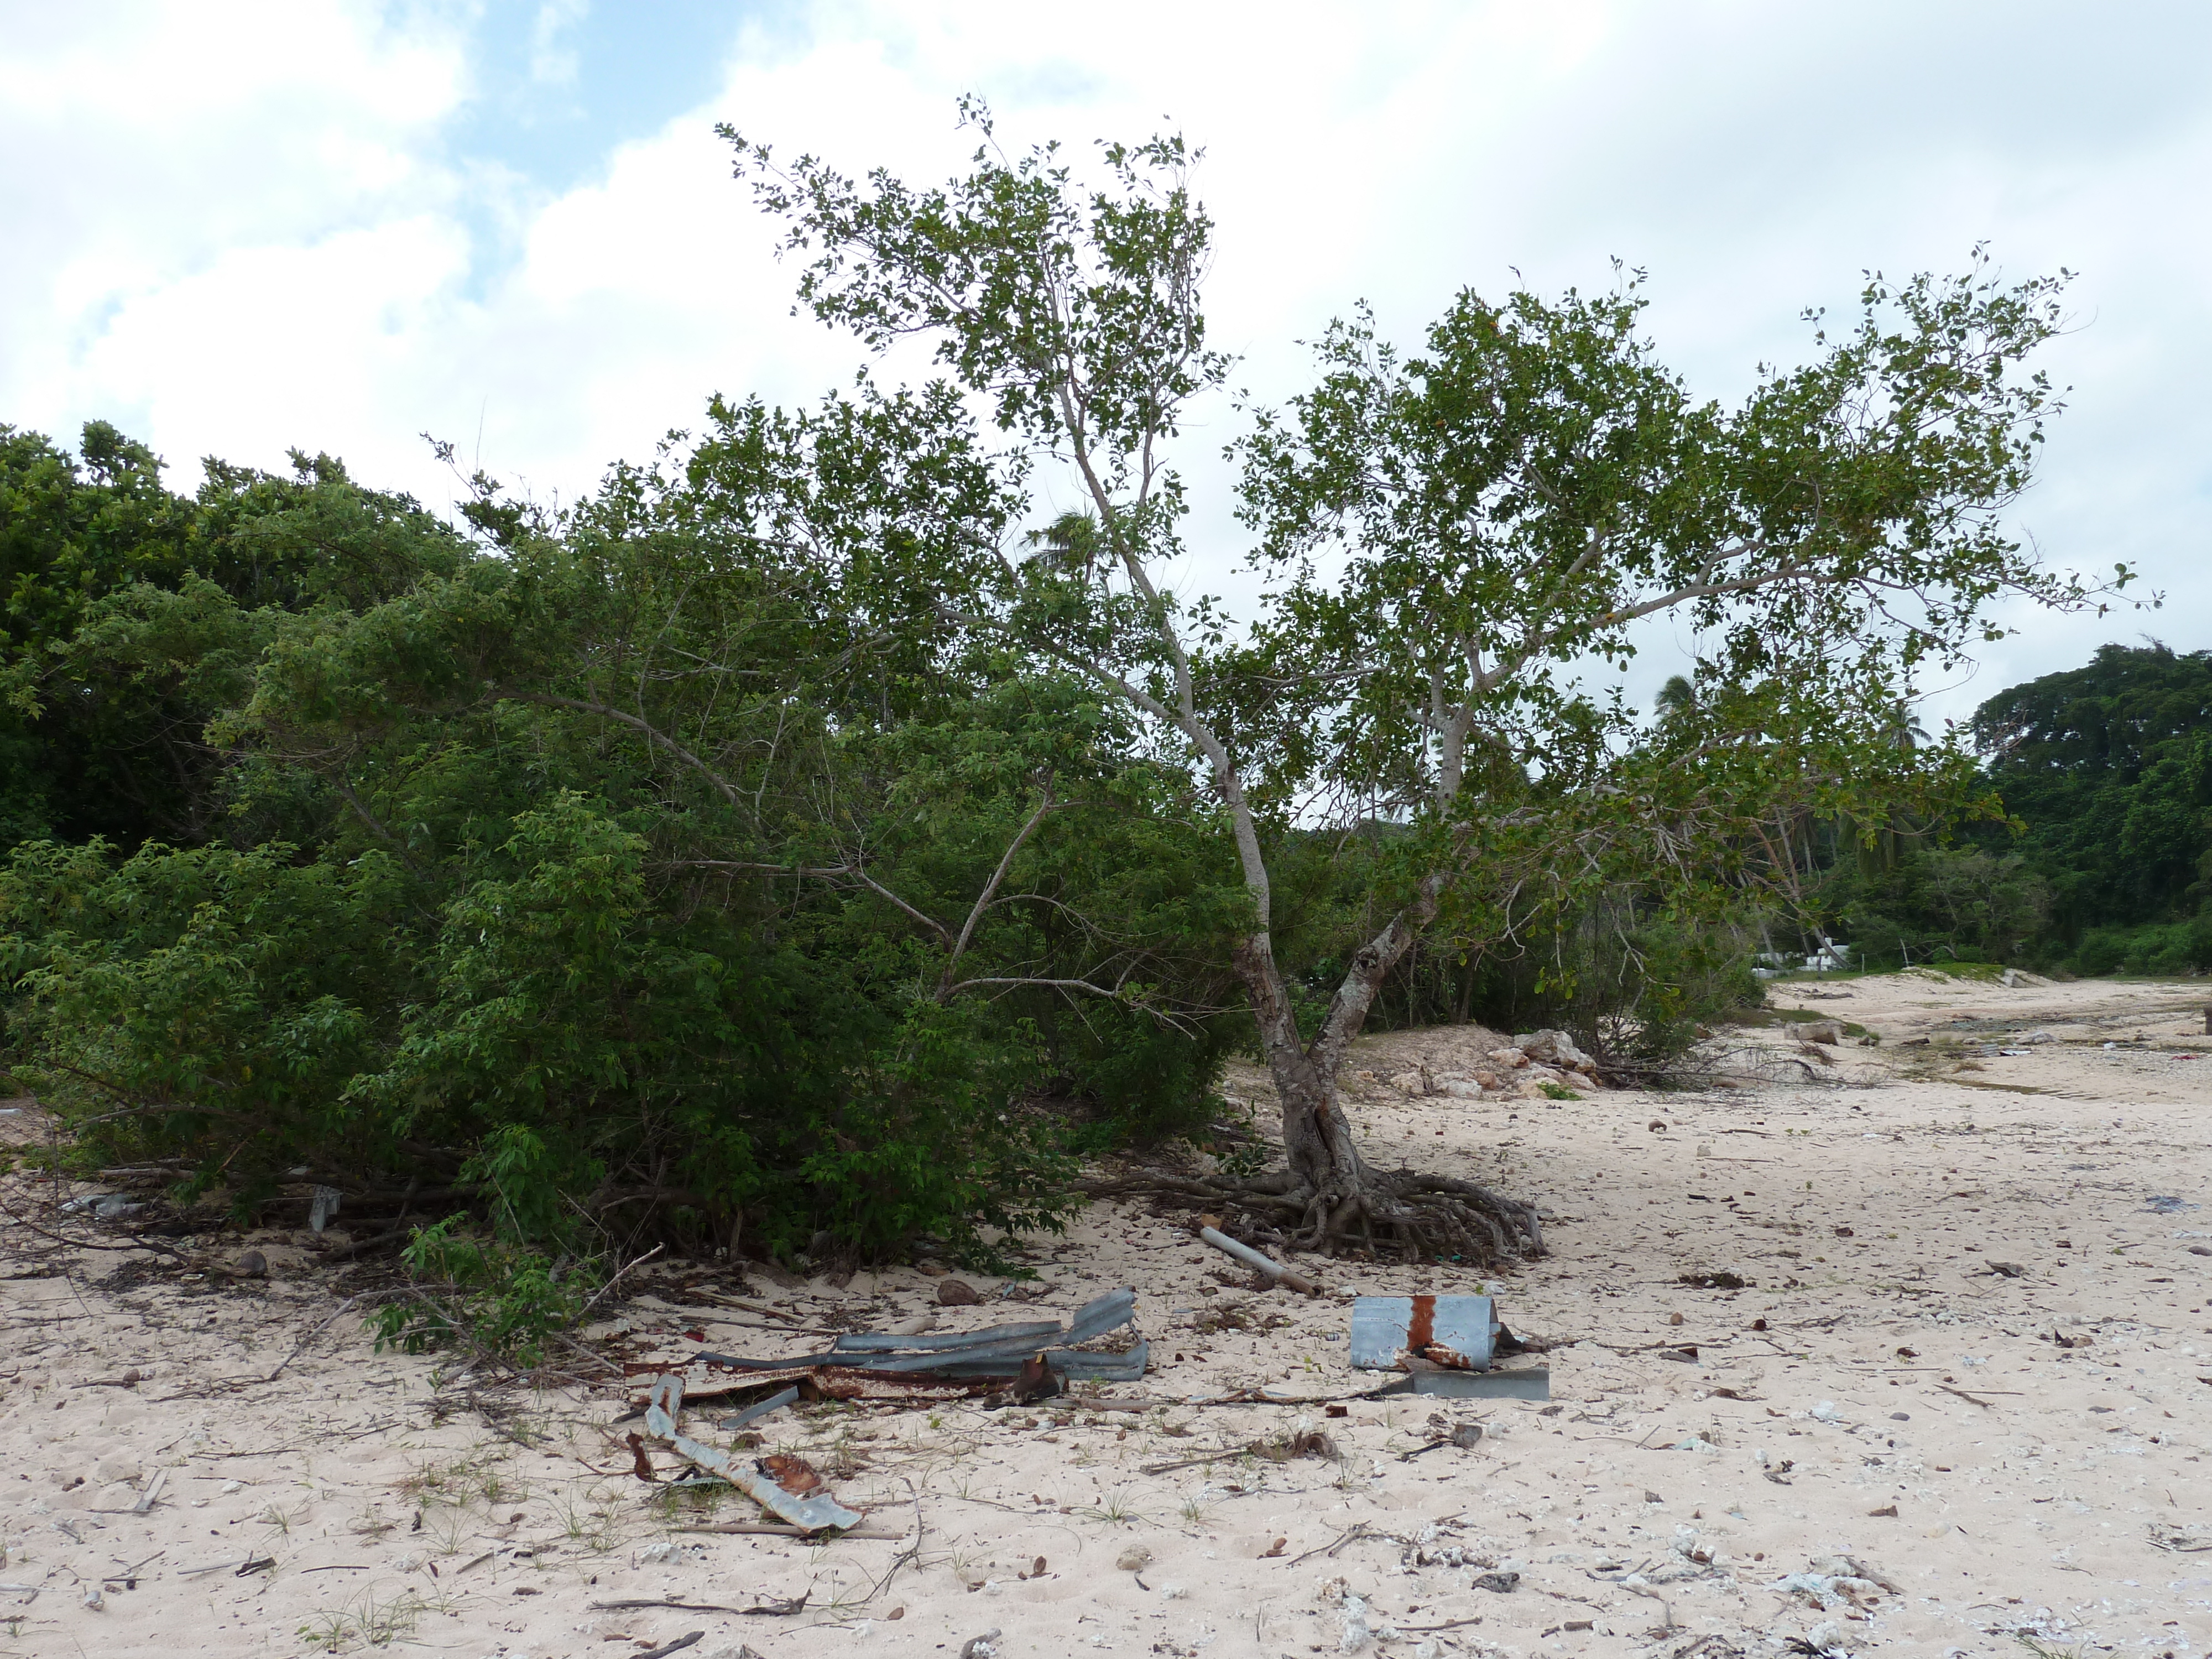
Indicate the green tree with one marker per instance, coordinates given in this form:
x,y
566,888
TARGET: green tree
x,y
1455,537
2106,771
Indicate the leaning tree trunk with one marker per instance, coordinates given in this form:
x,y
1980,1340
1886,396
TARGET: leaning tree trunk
x,y
1339,1199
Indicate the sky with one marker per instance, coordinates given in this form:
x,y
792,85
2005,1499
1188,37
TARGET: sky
x,y
234,228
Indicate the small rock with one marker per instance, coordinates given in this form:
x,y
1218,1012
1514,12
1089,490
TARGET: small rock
x,y
985,1646
1468,1436
2200,1249
1656,1126
1827,1412
931,1269
1822,1031
1134,1559
956,1293
252,1264
1673,1319
1900,1417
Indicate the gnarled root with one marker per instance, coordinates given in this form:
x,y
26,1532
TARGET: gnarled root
x,y
1401,1212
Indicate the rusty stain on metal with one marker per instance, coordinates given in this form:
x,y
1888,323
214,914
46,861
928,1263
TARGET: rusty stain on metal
x,y
1421,1324
815,1512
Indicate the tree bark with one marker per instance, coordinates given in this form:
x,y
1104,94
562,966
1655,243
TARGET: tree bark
x,y
1317,1138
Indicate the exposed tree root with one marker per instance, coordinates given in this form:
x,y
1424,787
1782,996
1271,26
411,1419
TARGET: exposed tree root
x,y
1404,1213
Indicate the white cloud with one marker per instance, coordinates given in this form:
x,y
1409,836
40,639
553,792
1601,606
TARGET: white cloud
x,y
243,229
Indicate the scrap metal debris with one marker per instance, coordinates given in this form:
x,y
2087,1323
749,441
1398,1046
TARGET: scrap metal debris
x,y
1447,1344
786,1487
1036,1358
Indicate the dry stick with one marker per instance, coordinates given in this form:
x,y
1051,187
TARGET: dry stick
x,y
620,1274
912,1552
679,1644
1229,1455
749,1307
1963,1394
674,1606
1358,1530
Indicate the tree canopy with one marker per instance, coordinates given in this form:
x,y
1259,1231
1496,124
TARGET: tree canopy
x,y
809,842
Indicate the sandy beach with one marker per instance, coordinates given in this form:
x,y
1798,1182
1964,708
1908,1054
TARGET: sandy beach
x,y
1960,1404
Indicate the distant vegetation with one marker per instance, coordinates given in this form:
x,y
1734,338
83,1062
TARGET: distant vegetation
x,y
2104,864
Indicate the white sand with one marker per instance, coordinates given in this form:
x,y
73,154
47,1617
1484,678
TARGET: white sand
x,y
399,1507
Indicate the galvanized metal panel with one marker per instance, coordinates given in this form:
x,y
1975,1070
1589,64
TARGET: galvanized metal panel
x,y
1529,1382
663,1410
1454,1331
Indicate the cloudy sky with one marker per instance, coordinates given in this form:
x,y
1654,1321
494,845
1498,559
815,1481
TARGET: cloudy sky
x,y
236,227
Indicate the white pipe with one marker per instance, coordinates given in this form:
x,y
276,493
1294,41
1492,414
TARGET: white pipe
x,y
1252,1258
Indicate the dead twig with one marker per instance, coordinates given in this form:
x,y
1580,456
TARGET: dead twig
x,y
912,1552
1358,1530
773,1609
620,1274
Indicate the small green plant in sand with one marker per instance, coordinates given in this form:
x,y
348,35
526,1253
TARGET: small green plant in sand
x,y
495,1296
369,1620
1114,1509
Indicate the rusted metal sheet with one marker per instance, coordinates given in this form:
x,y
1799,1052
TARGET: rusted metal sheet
x,y
1455,1331
996,1352
880,1365
815,1512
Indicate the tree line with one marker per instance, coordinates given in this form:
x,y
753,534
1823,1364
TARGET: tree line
x,y
801,844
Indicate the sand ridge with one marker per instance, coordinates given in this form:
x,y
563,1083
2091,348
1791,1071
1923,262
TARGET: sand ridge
x,y
1961,1406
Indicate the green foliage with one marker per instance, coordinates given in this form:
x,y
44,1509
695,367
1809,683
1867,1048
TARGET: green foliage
x,y
2109,769
561,925
1935,905
493,1295
784,850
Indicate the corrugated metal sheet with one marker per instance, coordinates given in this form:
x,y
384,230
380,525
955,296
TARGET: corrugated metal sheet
x,y
1452,1331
